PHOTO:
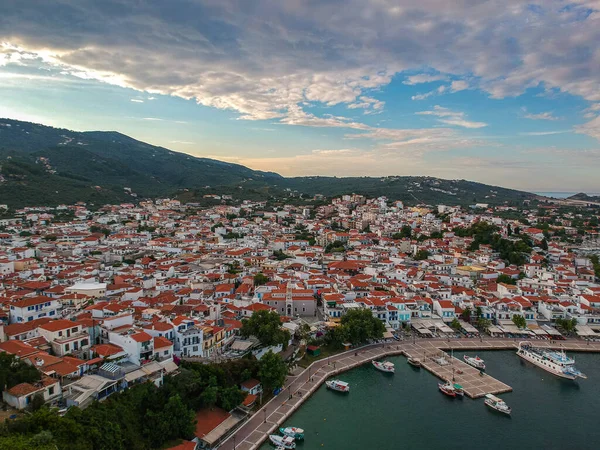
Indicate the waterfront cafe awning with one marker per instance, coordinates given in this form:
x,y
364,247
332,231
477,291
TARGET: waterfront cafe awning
x,y
539,332
388,335
494,330
585,331
551,331
468,327
444,328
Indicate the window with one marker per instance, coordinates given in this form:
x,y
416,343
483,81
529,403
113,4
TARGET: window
x,y
166,352
51,390
66,347
51,313
74,330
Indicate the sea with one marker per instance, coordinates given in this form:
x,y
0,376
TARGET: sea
x,y
561,194
406,410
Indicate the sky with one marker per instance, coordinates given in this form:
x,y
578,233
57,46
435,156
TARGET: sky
x,y
502,92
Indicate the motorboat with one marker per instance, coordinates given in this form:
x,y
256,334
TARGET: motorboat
x,y
415,362
447,389
459,390
476,362
286,442
294,432
384,366
338,385
497,404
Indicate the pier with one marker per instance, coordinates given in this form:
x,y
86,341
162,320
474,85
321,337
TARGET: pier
x,y
299,388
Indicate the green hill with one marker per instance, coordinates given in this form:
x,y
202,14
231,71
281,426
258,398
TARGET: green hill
x,y
41,165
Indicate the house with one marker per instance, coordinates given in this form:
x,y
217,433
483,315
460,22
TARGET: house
x,y
251,386
22,394
30,308
65,336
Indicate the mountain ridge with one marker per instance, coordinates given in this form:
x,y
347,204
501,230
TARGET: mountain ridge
x,y
45,165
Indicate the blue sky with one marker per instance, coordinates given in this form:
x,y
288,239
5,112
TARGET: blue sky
x,y
502,92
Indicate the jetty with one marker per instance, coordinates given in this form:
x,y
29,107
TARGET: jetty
x,y
297,389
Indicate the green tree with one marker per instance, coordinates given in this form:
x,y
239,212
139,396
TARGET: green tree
x,y
230,397
421,255
519,321
466,314
455,324
272,371
260,279
359,326
265,325
36,402
483,323
13,371
506,279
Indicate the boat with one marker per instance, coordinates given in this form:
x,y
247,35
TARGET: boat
x,y
448,389
459,390
415,362
294,432
338,385
384,366
476,362
497,404
555,362
286,442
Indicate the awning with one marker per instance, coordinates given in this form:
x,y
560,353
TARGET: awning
x,y
135,375
468,327
584,330
169,365
495,330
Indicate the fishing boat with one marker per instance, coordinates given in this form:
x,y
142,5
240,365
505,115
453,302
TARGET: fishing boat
x,y
415,362
476,362
447,389
286,442
555,362
338,385
497,404
294,432
384,366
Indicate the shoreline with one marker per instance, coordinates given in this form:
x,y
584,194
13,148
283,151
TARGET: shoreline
x,y
255,431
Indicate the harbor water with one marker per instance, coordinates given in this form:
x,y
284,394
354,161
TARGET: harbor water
x,y
406,410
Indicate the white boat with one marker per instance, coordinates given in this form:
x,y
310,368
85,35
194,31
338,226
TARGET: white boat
x,y
384,366
476,362
285,441
557,363
415,362
497,404
338,385
294,432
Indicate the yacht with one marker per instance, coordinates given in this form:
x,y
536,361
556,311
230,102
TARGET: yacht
x,y
415,362
476,362
286,442
497,404
338,385
384,366
447,389
555,362
293,432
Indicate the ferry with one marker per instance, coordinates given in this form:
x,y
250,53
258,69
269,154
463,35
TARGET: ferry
x,y
497,404
415,362
293,432
557,363
286,442
384,366
338,385
447,389
476,362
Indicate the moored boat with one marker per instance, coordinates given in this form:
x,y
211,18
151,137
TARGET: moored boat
x,y
459,390
286,442
415,362
338,385
557,363
447,389
497,404
384,366
476,362
294,432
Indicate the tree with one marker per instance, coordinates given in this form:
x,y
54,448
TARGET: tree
x,y
466,314
483,323
506,279
405,232
280,256
359,326
260,279
544,244
13,371
519,321
230,397
36,402
265,325
568,326
455,324
272,371
421,255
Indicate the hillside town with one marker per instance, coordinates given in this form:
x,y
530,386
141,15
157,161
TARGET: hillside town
x,y
99,300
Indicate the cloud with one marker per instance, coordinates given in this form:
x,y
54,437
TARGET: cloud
x,y
371,105
183,142
450,117
262,61
543,133
459,85
424,78
542,116
136,100
591,128
438,91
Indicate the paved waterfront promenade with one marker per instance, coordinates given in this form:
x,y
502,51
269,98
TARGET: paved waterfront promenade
x,y
298,388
